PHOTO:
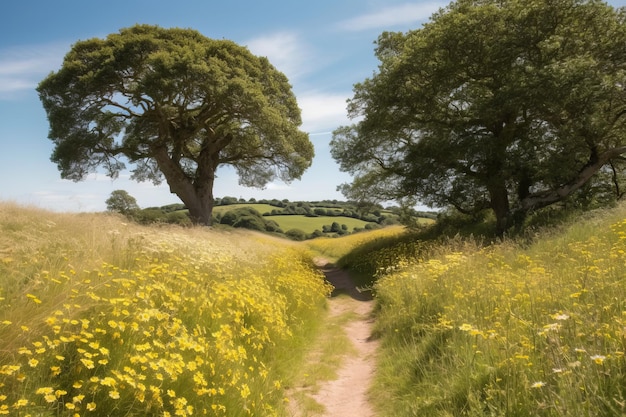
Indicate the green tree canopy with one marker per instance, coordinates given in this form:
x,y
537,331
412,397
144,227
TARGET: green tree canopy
x,y
122,202
176,105
508,105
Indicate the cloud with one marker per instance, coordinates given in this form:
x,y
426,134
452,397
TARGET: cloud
x,y
285,50
68,200
277,186
22,68
289,54
403,14
323,112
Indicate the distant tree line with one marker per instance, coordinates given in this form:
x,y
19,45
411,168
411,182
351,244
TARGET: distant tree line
x,y
249,218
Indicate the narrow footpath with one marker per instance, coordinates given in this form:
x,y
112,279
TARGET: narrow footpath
x,y
346,396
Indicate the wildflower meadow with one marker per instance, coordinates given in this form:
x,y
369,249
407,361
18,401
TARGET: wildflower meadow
x,y
99,317
507,329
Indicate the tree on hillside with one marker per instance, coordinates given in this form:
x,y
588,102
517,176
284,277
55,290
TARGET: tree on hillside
x,y
507,105
176,105
121,202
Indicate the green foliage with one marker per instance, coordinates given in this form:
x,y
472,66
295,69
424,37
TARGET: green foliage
x,y
250,222
503,105
183,104
149,215
261,208
296,234
161,216
122,202
247,217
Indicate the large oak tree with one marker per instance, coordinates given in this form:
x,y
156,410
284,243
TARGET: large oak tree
x,y
175,104
508,105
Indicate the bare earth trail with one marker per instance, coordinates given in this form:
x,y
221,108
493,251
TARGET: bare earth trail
x,y
346,396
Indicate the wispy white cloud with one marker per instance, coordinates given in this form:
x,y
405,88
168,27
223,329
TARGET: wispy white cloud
x,y
323,112
389,17
277,186
285,50
22,68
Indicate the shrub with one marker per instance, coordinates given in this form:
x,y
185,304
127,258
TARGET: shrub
x,y
295,234
122,202
178,217
272,226
250,222
316,233
149,215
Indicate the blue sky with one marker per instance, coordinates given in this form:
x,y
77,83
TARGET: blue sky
x,y
324,47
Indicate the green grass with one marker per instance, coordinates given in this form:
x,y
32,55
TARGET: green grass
x,y
334,249
310,224
506,329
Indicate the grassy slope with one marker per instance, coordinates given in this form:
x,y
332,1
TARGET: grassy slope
x,y
507,329
304,223
99,315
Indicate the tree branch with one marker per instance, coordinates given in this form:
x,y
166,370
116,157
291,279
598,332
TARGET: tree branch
x,y
112,103
544,198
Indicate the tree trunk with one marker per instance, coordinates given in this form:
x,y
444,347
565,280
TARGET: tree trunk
x,y
201,208
197,195
500,205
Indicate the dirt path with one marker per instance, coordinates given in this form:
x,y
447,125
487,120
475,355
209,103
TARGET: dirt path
x,y
346,395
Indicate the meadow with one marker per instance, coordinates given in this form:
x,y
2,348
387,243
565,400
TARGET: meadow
x,y
508,329
100,317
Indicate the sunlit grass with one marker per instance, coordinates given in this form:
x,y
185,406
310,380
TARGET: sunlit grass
x,y
336,248
511,330
100,317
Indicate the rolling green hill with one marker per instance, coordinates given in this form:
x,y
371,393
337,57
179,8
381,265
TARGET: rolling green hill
x,y
310,224
303,218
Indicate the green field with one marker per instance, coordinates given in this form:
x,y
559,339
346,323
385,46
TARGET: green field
x,y
302,222
295,221
261,208
310,224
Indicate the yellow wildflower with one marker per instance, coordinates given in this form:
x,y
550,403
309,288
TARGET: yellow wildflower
x,y
598,359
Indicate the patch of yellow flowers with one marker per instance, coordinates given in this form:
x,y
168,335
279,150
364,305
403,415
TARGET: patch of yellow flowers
x,y
533,331
188,329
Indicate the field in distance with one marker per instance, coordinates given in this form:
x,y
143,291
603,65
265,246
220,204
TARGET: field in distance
x,y
312,218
